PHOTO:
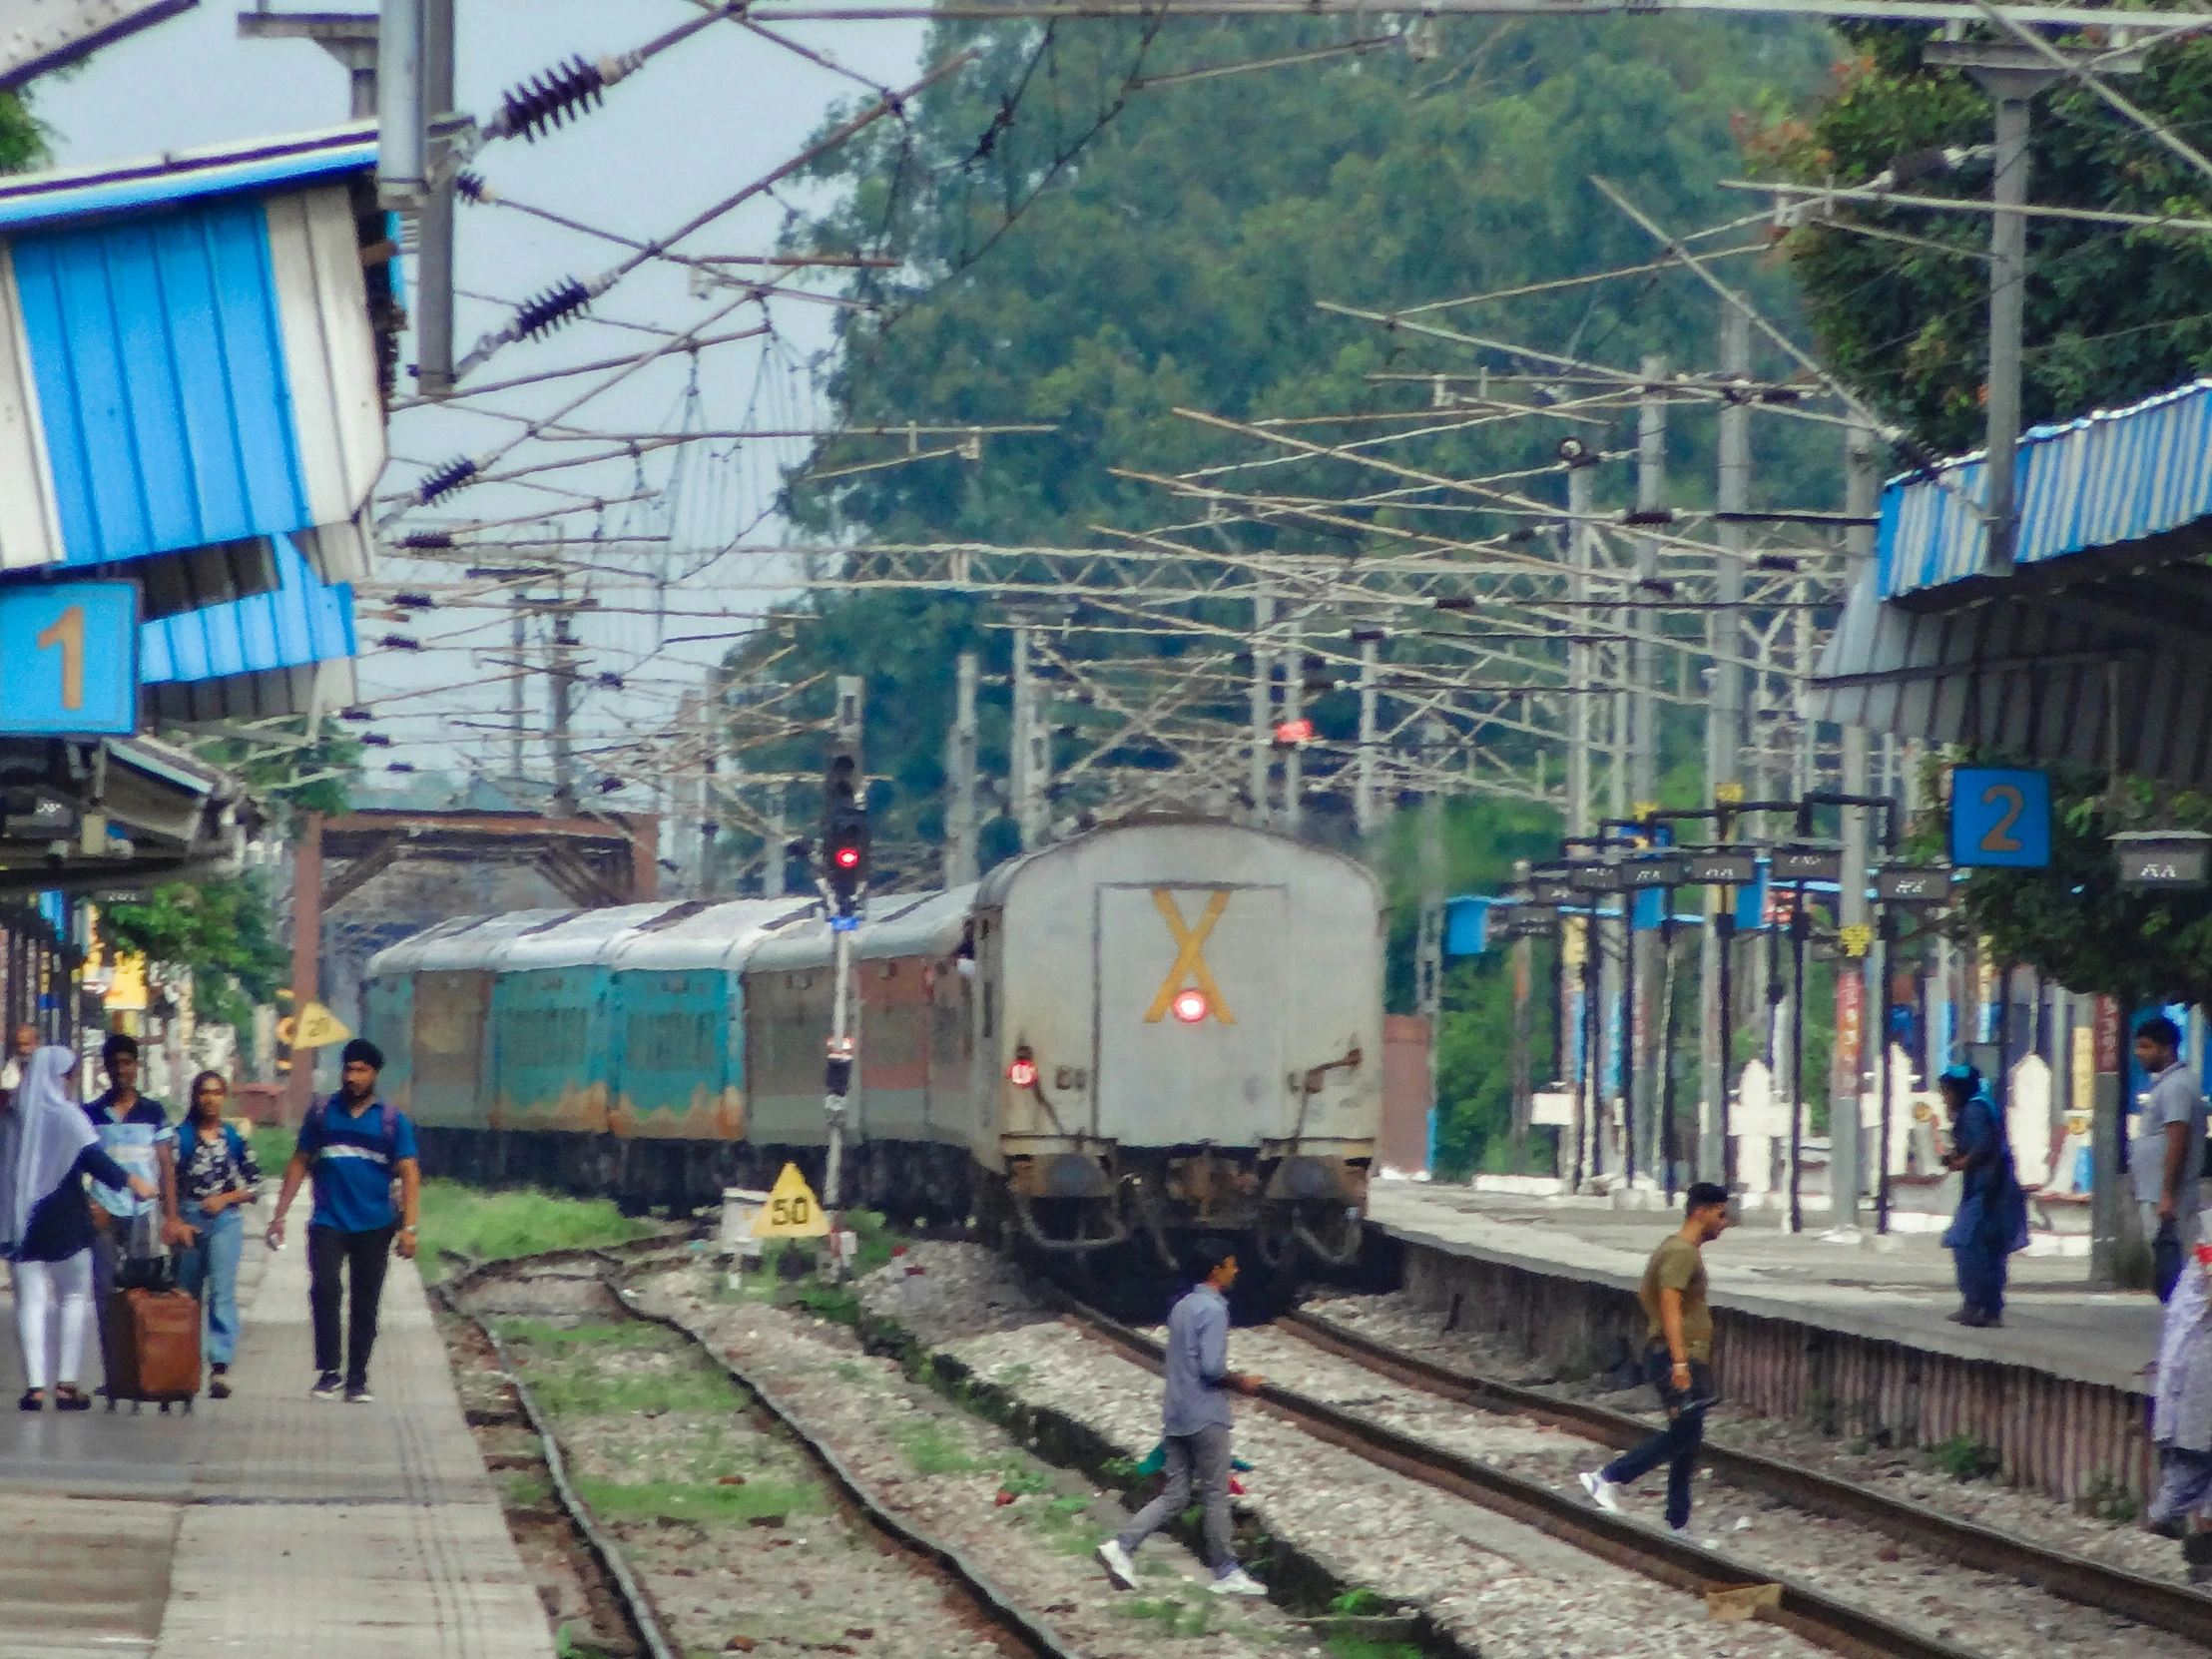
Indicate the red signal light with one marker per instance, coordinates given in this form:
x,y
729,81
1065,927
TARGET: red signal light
x,y
847,858
1190,1006
1022,1073
1294,731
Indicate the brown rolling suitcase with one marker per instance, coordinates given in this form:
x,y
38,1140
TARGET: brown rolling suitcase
x,y
153,1347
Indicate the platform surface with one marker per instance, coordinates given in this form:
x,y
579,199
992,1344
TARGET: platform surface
x,y
268,1524
1897,1290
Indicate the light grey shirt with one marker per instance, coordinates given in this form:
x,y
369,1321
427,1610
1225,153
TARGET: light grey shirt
x,y
2178,1097
1197,1362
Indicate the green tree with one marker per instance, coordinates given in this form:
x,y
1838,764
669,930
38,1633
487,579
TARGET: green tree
x,y
219,930
2112,314
22,135
2075,922
1173,257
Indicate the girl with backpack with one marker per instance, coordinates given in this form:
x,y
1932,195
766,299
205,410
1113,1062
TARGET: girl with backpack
x,y
217,1178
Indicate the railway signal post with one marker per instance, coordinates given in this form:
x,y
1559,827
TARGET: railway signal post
x,y
843,880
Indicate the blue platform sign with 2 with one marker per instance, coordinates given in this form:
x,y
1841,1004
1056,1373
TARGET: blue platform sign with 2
x,y
1999,816
69,660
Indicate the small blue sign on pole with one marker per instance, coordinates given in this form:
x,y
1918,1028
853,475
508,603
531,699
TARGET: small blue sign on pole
x,y
1999,817
69,660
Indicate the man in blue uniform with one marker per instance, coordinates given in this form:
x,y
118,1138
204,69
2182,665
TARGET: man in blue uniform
x,y
1196,1409
355,1146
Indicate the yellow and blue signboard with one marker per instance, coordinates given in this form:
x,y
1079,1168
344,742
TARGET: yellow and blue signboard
x,y
69,655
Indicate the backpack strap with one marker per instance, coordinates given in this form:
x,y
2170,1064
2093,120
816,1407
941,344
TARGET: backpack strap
x,y
391,1128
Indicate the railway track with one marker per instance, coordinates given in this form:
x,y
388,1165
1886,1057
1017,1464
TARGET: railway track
x,y
987,1604
1817,1617
2133,1595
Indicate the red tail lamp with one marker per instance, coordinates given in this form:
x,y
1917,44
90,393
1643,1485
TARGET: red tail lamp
x,y
1023,1072
1191,1006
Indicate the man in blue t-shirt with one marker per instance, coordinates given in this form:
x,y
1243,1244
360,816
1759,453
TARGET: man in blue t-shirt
x,y
136,1133
355,1146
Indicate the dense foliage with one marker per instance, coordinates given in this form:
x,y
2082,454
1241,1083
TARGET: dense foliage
x,y
1084,240
2112,312
2076,923
219,930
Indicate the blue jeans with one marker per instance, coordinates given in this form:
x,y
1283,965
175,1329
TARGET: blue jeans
x,y
1677,1444
209,1268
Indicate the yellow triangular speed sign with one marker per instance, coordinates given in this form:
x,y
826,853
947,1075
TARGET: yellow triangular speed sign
x,y
319,1028
791,1210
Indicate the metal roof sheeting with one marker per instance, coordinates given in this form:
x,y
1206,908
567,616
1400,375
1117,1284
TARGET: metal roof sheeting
x,y
2116,475
2040,682
719,936
174,381
76,193
300,622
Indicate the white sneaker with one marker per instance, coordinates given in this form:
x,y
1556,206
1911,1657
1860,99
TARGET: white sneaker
x,y
1115,1560
1601,1492
1237,1583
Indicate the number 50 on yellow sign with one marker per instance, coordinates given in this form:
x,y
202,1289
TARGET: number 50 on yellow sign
x,y
69,660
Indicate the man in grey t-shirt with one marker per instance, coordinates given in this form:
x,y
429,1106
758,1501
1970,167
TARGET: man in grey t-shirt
x,y
2176,1113
1197,1424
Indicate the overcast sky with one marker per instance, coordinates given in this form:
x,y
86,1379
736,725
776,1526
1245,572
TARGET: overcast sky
x,y
687,130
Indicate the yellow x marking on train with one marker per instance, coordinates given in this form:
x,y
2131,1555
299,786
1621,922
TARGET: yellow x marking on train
x,y
1190,957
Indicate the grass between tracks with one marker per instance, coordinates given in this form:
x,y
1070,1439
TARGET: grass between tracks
x,y
492,1226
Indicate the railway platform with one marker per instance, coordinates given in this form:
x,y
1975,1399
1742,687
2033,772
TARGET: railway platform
x,y
268,1524
1850,1331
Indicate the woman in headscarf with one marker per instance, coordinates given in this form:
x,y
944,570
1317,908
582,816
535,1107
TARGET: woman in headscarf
x,y
47,1149
2181,1416
1991,1222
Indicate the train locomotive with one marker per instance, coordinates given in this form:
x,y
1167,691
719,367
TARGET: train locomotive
x,y
1156,1026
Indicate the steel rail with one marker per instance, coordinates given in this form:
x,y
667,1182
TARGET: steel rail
x,y
2133,1595
637,1605
1817,1617
996,1605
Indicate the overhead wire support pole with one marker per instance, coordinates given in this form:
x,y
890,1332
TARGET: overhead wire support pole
x,y
1643,741
1846,1174
1362,798
1724,737
434,309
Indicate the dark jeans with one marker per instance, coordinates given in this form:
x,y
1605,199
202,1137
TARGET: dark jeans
x,y
1677,1444
364,1257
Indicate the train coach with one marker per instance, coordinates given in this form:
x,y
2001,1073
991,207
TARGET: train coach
x,y
1163,1024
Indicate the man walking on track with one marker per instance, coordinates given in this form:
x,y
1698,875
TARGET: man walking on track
x,y
1197,1424
355,1146
1677,1355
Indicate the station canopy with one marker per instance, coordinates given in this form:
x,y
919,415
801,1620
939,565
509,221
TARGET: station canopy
x,y
2093,647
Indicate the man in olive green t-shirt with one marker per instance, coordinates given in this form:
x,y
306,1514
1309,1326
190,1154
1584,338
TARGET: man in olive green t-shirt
x,y
1676,1354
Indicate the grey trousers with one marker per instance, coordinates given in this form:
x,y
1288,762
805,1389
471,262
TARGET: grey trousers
x,y
1205,1454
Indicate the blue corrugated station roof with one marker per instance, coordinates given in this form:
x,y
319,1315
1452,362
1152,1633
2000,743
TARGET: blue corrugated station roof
x,y
188,353
2117,475
123,187
301,621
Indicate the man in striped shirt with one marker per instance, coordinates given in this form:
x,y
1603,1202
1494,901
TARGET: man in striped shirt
x,y
136,1133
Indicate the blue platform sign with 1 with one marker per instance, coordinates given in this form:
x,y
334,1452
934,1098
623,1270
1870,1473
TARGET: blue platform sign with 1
x,y
69,655
1999,816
